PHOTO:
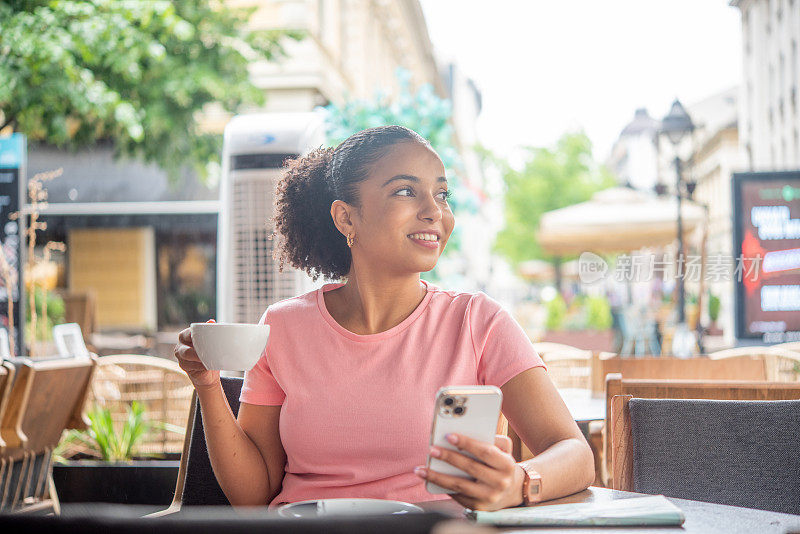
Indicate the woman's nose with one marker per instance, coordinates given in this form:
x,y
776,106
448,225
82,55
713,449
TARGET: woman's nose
x,y
430,211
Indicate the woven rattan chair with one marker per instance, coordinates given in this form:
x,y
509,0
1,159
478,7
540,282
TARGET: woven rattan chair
x,y
568,367
158,384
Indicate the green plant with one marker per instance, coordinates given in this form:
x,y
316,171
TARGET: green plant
x,y
556,313
713,307
102,439
598,313
49,310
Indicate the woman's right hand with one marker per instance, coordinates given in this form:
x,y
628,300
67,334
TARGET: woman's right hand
x,y
190,362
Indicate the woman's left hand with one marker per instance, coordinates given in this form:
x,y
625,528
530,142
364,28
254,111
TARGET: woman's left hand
x,y
498,479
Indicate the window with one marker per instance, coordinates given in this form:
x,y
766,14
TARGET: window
x,y
187,272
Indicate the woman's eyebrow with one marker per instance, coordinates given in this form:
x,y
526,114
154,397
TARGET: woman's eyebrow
x,y
410,178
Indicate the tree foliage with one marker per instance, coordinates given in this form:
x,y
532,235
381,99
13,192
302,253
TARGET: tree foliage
x,y
135,72
550,178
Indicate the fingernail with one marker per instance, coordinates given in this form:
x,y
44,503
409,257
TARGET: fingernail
x,y
435,452
421,472
452,438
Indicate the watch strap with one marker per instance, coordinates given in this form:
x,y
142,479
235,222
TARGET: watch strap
x,y
531,485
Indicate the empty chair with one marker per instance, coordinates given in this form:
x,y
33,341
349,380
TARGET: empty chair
x,y
46,398
734,443
160,385
781,364
568,367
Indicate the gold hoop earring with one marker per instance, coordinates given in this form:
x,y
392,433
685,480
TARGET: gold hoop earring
x,y
350,240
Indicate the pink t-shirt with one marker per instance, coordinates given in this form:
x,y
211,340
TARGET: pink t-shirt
x,y
356,410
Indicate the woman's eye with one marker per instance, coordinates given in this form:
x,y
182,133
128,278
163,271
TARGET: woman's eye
x,y
444,195
404,192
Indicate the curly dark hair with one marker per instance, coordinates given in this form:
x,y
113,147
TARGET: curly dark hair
x,y
308,238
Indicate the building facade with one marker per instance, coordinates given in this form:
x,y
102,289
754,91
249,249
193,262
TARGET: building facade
x,y
352,49
770,103
634,156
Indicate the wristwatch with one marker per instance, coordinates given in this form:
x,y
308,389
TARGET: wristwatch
x,y
531,485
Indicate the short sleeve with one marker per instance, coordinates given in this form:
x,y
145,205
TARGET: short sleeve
x,y
260,386
501,345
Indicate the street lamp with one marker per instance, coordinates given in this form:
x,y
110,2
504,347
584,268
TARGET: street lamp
x,y
676,125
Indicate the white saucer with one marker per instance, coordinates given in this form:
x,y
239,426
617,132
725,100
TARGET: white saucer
x,y
331,507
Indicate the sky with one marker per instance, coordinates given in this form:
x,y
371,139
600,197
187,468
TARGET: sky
x,y
545,67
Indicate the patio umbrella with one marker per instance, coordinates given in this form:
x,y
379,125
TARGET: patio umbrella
x,y
619,219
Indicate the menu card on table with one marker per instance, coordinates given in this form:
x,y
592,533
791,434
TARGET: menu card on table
x,y
637,511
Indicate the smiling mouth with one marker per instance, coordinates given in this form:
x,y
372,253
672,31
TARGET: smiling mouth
x,y
425,237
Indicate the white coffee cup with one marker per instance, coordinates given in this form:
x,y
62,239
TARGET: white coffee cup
x,y
229,346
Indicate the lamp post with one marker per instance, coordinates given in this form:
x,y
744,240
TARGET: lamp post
x,y
676,125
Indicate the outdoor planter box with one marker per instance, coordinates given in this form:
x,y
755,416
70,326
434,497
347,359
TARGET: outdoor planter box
x,y
594,340
136,482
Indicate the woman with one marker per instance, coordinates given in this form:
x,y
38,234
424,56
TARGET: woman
x,y
340,403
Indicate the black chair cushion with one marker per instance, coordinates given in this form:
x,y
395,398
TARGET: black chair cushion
x,y
201,486
740,453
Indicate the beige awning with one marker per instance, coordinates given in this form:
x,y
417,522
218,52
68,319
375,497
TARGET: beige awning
x,y
619,219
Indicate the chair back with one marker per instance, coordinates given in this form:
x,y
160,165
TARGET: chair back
x,y
46,398
742,367
197,484
160,385
7,372
568,367
620,427
81,308
734,452
781,363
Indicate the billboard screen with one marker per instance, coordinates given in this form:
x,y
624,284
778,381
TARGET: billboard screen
x,y
766,228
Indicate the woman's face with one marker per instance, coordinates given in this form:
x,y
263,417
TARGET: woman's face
x,y
404,220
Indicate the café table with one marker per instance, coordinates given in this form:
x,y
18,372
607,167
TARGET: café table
x,y
583,407
707,518
701,517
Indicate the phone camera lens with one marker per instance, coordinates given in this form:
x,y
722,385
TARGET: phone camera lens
x,y
458,410
448,401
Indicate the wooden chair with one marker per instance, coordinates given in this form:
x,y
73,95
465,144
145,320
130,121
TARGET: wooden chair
x,y
781,364
733,427
46,398
158,384
81,308
741,367
7,372
737,367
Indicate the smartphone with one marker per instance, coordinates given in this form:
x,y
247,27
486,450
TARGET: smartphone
x,y
471,411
